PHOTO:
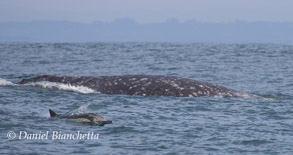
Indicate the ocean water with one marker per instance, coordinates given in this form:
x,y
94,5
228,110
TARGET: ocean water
x,y
148,125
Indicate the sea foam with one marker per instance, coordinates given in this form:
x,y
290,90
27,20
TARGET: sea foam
x,y
61,86
4,82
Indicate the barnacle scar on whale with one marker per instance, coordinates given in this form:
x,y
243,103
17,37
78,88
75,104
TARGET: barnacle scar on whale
x,y
145,85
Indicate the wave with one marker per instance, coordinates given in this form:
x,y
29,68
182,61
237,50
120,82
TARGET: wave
x,y
4,82
52,85
61,86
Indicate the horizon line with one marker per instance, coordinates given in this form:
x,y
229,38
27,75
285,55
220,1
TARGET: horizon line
x,y
169,20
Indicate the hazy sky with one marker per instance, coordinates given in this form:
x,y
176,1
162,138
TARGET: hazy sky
x,y
147,11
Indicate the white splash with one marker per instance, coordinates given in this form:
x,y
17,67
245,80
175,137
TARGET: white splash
x,y
82,109
4,82
61,86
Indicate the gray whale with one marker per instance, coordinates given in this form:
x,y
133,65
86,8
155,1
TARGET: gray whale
x,y
145,85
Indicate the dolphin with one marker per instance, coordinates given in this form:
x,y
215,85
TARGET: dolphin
x,y
86,118
145,85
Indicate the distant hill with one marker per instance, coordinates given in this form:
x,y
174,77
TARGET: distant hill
x,y
124,30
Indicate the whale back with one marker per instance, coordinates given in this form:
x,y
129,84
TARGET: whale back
x,y
144,85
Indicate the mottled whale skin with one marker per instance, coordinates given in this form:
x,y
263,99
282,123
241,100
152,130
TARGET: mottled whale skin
x,y
145,85
86,118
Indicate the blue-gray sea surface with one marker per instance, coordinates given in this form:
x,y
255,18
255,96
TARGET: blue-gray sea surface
x,y
149,125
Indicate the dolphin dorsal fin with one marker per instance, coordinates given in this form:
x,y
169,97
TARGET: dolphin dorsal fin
x,y
52,113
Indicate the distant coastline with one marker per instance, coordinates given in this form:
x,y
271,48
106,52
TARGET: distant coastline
x,y
128,30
